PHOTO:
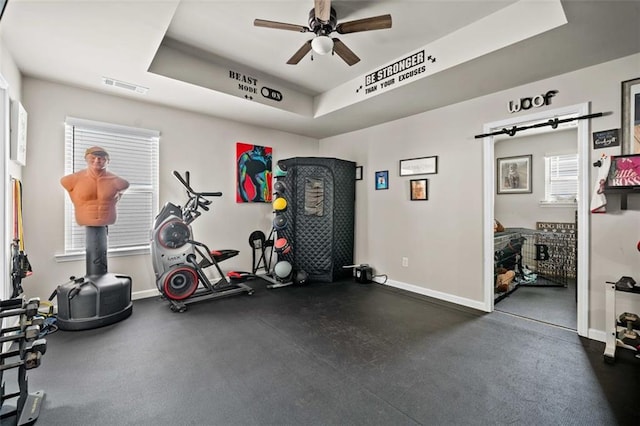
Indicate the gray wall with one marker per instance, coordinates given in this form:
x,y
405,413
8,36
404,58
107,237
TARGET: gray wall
x,y
204,145
10,169
443,237
524,210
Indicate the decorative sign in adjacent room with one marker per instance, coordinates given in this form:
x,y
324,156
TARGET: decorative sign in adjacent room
x,y
253,165
556,249
606,138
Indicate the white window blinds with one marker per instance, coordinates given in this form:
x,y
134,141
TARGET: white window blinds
x,y
133,156
561,177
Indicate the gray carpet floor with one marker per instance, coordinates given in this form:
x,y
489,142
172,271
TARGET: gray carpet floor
x,y
555,305
330,354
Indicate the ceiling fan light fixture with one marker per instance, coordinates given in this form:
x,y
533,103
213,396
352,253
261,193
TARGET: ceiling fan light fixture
x,y
322,44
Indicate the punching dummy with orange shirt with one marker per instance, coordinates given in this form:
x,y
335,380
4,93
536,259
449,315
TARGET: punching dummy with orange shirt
x,y
95,191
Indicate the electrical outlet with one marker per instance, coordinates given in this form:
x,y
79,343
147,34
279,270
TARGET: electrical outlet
x,y
405,262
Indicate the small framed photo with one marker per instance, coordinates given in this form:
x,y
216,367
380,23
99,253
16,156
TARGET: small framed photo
x,y
419,166
514,175
382,180
358,172
419,189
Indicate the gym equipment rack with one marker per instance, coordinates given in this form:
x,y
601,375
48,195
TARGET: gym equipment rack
x,y
615,329
25,357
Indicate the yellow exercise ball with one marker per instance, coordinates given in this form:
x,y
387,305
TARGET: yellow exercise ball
x,y
279,203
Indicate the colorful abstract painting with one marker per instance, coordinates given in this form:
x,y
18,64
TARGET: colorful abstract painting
x,y
254,173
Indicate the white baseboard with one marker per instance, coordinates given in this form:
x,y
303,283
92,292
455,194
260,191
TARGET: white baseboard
x,y
144,294
598,335
435,294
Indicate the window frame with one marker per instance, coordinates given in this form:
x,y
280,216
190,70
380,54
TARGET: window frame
x,y
551,199
151,185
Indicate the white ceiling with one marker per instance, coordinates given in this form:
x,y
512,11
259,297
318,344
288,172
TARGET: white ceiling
x,y
79,42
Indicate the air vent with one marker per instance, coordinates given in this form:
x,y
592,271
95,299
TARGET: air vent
x,y
124,85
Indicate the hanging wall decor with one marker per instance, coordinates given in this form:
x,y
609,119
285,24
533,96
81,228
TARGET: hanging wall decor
x,y
382,179
631,116
419,189
606,138
514,174
253,172
358,172
419,166
624,172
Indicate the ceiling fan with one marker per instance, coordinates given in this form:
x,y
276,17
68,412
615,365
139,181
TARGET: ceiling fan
x,y
322,22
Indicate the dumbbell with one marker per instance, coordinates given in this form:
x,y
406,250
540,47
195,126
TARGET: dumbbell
x,y
32,356
14,303
29,309
39,346
630,320
37,320
29,333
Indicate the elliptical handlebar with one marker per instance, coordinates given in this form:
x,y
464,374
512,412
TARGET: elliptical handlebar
x,y
191,191
196,199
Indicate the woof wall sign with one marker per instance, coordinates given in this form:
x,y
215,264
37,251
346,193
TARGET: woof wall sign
x,y
524,104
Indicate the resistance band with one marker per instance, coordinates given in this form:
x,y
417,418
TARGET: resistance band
x,y
21,268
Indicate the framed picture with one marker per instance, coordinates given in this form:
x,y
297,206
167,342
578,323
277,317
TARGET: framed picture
x,y
18,144
419,166
514,175
253,173
419,189
624,171
358,172
631,116
606,138
382,179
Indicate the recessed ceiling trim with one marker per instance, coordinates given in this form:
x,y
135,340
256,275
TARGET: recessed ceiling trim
x,y
179,63
514,23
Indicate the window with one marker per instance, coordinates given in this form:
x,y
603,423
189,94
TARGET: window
x,y
561,178
133,156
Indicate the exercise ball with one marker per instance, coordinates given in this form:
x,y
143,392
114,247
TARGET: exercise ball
x,y
279,222
282,246
300,277
279,187
279,204
279,171
282,269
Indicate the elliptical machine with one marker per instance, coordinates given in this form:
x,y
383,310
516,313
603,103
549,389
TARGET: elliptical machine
x,y
179,261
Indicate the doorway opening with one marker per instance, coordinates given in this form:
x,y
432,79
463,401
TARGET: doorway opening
x,y
494,192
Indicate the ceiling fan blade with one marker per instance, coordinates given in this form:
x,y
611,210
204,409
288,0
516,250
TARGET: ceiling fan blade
x,y
323,10
279,25
300,53
344,52
367,24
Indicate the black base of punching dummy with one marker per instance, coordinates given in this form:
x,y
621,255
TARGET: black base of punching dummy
x,y
94,301
99,298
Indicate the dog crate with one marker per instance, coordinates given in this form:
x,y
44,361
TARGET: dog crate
x,y
542,257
